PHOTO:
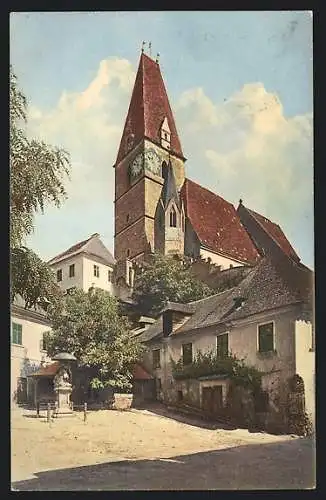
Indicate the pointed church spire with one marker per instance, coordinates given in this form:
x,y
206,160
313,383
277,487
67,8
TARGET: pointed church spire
x,y
148,108
169,191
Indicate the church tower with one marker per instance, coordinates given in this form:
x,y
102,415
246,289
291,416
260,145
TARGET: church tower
x,y
149,172
170,216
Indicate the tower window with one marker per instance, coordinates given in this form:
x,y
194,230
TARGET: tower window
x,y
130,277
173,218
165,134
128,253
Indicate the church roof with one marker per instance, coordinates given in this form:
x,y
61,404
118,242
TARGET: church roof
x,y
92,246
274,231
148,107
217,224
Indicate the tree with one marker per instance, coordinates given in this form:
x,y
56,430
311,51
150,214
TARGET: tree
x,y
164,279
90,327
32,279
37,171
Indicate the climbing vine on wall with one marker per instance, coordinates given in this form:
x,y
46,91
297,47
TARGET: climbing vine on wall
x,y
209,363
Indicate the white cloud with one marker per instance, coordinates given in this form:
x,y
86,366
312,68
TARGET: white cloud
x,y
89,125
248,148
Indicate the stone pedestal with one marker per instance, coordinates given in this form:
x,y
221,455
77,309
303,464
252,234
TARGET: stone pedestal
x,y
63,400
63,390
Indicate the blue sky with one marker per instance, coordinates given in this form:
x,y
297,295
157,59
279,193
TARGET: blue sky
x,y
220,68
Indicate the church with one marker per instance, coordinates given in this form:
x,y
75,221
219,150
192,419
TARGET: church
x,y
158,209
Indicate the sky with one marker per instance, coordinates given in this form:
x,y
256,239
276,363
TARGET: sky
x,y
240,85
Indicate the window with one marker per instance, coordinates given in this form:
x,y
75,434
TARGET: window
x,y
59,275
312,338
43,343
96,271
72,271
17,333
186,354
128,253
222,345
110,276
156,358
127,218
266,337
173,218
131,277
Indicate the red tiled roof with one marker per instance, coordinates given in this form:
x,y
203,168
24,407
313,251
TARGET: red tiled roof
x,y
276,233
139,373
148,107
72,249
217,223
48,370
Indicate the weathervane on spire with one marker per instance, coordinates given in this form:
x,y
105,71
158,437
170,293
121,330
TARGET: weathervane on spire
x,y
143,47
157,57
150,49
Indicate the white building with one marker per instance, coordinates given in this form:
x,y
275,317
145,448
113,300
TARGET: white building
x,y
85,264
27,347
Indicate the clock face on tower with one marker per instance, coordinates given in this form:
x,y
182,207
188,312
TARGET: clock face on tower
x,y
137,166
152,161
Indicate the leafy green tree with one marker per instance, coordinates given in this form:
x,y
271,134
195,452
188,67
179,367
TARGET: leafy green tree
x,y
164,279
37,171
33,279
90,327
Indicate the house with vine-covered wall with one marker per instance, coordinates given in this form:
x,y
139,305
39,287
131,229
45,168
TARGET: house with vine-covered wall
x,y
266,320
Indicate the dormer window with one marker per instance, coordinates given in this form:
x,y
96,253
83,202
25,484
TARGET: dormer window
x,y
173,217
165,134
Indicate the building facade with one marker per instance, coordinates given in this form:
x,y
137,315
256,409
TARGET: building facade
x,y
28,350
263,320
85,264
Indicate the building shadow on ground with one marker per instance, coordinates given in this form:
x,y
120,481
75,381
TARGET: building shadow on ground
x,y
173,414
282,465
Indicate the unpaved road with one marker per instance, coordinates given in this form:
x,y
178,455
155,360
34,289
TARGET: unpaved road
x,y
145,450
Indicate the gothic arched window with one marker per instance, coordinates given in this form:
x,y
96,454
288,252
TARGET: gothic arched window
x,y
173,218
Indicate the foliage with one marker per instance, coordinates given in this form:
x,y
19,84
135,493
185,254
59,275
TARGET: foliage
x,y
32,279
90,327
298,419
164,279
37,170
209,363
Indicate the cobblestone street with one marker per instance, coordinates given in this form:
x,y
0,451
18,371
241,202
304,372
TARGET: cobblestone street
x,y
151,449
